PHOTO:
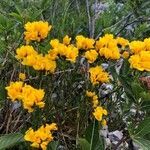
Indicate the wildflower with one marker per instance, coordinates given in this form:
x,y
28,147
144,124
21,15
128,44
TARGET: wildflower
x,y
28,95
103,41
147,44
71,53
32,97
22,76
107,47
91,55
104,122
98,75
99,112
25,51
14,90
140,61
41,137
84,43
94,98
36,31
122,42
125,54
137,46
54,43
90,94
66,40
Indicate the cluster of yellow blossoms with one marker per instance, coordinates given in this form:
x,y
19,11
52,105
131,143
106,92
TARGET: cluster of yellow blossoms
x,y
28,95
99,111
84,43
41,137
108,46
30,57
141,55
36,31
98,75
65,49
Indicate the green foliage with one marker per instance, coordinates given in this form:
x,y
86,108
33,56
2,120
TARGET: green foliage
x,y
9,140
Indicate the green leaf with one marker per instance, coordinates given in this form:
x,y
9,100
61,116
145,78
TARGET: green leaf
x,y
84,144
93,137
53,145
16,16
9,140
143,143
143,128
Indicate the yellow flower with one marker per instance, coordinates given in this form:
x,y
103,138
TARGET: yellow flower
x,y
103,41
147,44
54,43
90,94
99,112
140,61
107,47
91,55
71,53
25,51
31,97
66,40
22,76
14,90
36,31
84,43
137,46
104,122
41,137
125,54
122,42
98,75
27,94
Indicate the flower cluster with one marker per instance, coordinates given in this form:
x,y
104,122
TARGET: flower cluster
x,y
84,43
36,31
93,97
98,75
98,110
108,46
30,57
69,51
140,59
91,55
28,95
22,76
41,137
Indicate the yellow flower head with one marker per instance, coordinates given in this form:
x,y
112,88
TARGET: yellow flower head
x,y
84,43
104,122
90,94
122,42
36,31
125,54
41,137
14,90
99,112
137,46
107,47
91,55
140,61
98,75
147,44
22,76
66,40
25,51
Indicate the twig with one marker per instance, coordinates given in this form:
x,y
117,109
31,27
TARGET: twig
x,y
89,17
